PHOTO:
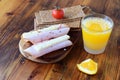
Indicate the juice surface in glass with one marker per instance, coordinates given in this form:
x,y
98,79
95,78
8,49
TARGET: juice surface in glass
x,y
96,32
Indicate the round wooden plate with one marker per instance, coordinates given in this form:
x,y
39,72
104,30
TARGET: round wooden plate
x,y
52,57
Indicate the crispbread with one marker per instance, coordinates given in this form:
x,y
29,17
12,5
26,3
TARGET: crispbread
x,y
70,13
72,17
72,24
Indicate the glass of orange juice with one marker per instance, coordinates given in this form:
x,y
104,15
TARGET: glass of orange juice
x,y
96,30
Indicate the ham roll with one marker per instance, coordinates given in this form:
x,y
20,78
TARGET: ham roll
x,y
35,53
46,33
46,40
45,44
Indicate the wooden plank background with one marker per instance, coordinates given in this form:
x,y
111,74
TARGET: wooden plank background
x,y
16,17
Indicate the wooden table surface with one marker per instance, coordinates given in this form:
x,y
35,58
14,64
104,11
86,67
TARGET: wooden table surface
x,y
16,17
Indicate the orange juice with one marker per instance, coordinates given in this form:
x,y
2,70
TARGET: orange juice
x,y
96,32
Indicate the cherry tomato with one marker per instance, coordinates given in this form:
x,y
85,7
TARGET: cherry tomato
x,y
58,13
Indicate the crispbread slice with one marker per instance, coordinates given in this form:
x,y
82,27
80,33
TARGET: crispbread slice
x,y
72,24
70,13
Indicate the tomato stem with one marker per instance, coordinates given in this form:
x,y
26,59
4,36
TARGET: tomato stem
x,y
57,7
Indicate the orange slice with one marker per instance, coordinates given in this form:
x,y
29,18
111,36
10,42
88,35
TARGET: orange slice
x,y
88,66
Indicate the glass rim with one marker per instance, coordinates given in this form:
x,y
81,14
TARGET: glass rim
x,y
99,16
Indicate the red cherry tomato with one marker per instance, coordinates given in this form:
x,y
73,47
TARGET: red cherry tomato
x,y
58,13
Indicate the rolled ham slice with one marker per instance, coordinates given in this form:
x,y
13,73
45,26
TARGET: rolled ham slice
x,y
35,53
46,33
42,45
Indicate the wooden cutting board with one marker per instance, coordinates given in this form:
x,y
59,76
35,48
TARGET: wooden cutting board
x,y
52,57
